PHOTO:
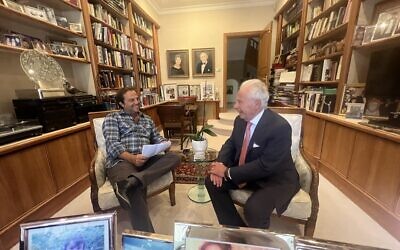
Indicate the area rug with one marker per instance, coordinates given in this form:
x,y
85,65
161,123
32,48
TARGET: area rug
x,y
186,173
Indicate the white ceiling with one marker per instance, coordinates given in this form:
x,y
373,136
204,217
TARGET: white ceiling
x,y
178,6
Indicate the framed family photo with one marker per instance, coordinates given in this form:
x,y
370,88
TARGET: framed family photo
x,y
170,92
207,90
183,90
203,62
178,63
194,90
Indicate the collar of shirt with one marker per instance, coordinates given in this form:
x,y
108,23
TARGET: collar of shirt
x,y
255,121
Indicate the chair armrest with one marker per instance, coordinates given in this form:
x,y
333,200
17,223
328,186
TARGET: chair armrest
x,y
94,188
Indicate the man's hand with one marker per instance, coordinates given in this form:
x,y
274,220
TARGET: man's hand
x,y
138,160
217,168
216,180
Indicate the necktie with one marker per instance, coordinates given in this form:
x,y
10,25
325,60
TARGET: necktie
x,y
245,144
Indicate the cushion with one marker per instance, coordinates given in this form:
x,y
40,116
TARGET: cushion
x,y
295,121
98,130
299,207
305,173
100,168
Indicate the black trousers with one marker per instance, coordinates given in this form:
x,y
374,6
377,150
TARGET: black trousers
x,y
257,210
154,168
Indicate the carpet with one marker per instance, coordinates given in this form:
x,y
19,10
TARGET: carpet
x,y
186,174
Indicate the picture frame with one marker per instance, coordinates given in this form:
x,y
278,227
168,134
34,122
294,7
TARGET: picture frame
x,y
35,13
368,33
170,92
13,5
95,231
75,27
195,90
132,239
51,16
203,62
178,63
355,110
385,26
183,90
207,91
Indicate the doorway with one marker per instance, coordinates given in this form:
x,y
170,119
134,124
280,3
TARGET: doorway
x,y
246,56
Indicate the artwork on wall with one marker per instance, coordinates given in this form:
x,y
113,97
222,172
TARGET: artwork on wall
x,y
203,62
178,63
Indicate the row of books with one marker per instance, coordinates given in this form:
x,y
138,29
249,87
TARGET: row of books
x,y
141,39
146,67
144,51
110,79
108,36
284,94
318,8
318,99
147,82
149,98
328,70
291,29
142,23
325,24
101,13
114,58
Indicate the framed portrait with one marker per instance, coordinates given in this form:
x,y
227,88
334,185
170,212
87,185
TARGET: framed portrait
x,y
170,92
95,231
203,62
178,63
132,239
13,5
207,90
75,27
183,90
51,16
35,13
385,26
194,90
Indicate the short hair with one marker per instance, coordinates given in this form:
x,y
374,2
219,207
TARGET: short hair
x,y
258,90
119,97
201,53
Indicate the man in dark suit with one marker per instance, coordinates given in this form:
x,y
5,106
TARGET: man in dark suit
x,y
256,156
204,66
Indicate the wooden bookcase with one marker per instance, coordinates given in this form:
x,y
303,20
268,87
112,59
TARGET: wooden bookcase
x,y
144,30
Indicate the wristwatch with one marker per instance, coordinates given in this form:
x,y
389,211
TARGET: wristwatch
x,y
227,174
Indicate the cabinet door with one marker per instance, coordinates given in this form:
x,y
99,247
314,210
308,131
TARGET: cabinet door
x,y
337,147
312,136
25,181
69,158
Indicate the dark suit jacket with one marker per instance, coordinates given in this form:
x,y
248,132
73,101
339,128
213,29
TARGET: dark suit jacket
x,y
207,68
269,164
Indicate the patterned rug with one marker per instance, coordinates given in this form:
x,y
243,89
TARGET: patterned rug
x,y
186,174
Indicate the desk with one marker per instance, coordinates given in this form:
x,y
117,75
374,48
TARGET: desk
x,y
198,193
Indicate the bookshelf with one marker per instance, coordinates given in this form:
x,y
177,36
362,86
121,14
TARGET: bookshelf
x,y
146,58
111,44
55,32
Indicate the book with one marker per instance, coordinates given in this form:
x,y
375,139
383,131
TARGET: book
x,y
358,35
306,72
347,12
339,68
326,70
340,16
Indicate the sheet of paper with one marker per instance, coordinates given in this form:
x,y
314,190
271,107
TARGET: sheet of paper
x,y
154,149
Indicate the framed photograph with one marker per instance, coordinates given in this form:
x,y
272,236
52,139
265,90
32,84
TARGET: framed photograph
x,y
203,62
183,90
13,40
95,231
40,45
355,110
385,26
170,92
75,27
194,90
178,63
132,239
51,16
368,33
13,5
35,13
207,90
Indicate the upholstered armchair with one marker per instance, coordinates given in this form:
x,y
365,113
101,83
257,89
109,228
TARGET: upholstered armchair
x,y
304,206
102,194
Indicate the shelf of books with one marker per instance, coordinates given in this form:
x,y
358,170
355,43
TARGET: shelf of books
x,y
146,55
112,46
323,52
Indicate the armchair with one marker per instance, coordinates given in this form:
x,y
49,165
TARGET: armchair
x,y
102,194
304,206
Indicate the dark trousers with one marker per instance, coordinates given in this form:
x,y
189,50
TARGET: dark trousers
x,y
154,168
257,210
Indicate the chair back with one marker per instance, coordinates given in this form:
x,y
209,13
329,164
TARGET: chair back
x,y
171,115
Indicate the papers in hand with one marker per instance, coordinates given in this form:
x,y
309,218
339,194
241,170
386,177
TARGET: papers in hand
x,y
154,149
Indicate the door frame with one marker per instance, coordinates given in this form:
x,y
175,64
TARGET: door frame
x,y
225,62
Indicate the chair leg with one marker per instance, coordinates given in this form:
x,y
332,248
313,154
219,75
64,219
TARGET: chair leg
x,y
309,227
172,193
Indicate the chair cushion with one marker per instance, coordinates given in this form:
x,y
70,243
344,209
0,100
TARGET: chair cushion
x,y
98,130
305,173
295,122
299,207
100,168
108,200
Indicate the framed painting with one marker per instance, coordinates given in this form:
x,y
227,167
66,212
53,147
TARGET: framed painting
x,y
178,63
203,62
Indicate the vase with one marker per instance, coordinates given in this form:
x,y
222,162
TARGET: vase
x,y
199,147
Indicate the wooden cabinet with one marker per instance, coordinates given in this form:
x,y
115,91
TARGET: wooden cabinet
x,y
40,175
360,161
312,138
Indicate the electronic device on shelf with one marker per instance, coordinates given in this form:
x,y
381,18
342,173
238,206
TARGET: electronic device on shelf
x,y
390,124
15,131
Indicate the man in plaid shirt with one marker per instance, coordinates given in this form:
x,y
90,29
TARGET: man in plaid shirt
x,y
125,133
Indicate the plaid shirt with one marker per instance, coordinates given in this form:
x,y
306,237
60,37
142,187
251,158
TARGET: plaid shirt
x,y
122,134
